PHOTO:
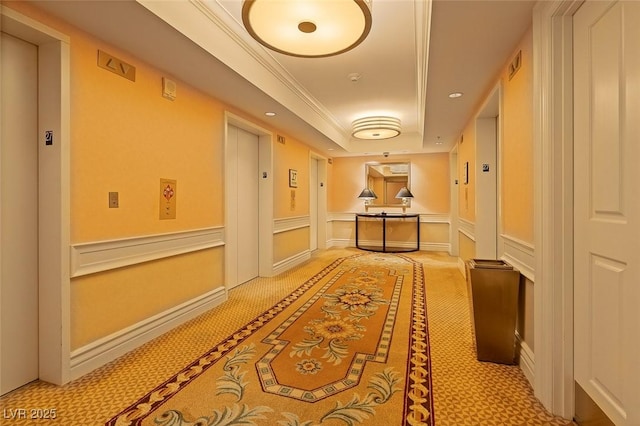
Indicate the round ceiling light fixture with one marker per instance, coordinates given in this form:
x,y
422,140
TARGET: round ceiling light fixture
x,y
308,28
379,127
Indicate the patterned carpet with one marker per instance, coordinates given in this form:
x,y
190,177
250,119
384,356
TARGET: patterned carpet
x,y
466,392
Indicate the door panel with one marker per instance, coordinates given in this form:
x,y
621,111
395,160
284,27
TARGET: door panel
x,y
18,215
248,193
313,204
607,206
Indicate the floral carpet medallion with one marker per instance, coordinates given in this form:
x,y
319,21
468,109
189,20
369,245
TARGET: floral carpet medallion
x,y
349,346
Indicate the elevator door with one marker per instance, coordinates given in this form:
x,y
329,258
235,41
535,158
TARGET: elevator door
x,y
18,214
248,206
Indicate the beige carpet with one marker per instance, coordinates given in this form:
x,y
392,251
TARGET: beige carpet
x,y
349,346
466,392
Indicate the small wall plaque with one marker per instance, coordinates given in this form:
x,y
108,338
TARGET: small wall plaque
x,y
116,66
168,197
293,178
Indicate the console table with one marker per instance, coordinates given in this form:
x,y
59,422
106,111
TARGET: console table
x,y
385,220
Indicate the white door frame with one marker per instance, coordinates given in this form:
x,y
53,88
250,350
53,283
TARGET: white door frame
x,y
454,182
265,163
321,187
553,204
488,138
53,192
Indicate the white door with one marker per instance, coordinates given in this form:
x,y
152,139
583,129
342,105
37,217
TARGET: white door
x,y
313,204
18,215
607,206
248,206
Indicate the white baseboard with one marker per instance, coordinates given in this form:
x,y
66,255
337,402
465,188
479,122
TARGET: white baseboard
x,y
290,262
527,361
424,246
340,243
446,247
109,348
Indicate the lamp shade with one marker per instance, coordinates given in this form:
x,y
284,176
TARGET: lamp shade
x,y
308,28
404,193
367,194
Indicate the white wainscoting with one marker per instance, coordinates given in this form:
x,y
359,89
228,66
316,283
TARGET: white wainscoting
x,y
467,228
519,254
462,267
339,242
291,223
424,218
527,361
89,258
107,349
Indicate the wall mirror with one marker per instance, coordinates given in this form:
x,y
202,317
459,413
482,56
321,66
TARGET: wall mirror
x,y
386,179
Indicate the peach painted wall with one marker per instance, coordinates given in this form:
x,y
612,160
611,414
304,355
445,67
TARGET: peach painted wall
x,y
290,155
346,180
517,147
430,183
125,137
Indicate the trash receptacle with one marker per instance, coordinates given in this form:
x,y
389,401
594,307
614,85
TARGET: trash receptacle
x,y
494,287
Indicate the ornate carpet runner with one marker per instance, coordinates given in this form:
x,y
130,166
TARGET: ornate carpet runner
x,y
349,346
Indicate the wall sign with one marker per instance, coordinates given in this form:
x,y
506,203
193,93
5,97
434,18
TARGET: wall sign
x,y
168,197
293,178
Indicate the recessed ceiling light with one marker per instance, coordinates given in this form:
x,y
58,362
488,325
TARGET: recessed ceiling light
x,y
270,114
455,95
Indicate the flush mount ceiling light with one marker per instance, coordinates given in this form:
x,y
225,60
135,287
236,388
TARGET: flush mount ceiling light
x,y
376,128
308,28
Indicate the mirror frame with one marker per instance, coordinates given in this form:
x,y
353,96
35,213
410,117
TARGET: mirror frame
x,y
384,197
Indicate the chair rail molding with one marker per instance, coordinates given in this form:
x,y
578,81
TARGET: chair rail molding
x,y
467,228
92,257
519,254
291,223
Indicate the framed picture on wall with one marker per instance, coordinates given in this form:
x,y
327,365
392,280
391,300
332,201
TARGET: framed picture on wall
x,y
293,178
